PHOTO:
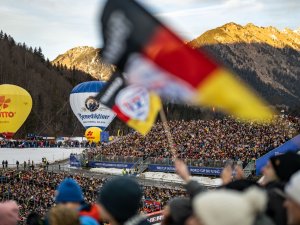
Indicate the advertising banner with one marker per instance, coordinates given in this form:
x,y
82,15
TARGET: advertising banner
x,y
104,136
155,218
110,165
75,160
193,170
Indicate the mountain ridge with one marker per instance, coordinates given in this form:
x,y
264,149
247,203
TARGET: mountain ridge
x,y
265,57
86,59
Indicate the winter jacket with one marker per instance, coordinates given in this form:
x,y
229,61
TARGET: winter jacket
x,y
275,209
89,214
137,220
263,220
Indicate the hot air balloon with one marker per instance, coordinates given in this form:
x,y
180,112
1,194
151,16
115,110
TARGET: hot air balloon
x,y
93,134
88,110
15,106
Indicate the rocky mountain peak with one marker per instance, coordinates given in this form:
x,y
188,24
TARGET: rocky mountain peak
x,y
86,59
266,57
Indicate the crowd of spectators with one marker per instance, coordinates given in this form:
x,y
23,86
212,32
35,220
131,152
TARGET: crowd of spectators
x,y
223,139
42,144
219,139
34,190
61,198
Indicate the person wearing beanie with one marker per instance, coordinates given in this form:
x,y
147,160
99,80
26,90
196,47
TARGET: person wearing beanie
x,y
281,167
120,200
177,211
276,173
62,215
9,213
69,194
228,207
292,202
91,210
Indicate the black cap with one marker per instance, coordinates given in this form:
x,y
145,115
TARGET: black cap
x,y
286,165
181,209
121,197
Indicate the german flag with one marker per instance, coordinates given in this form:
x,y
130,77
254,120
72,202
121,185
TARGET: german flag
x,y
133,104
153,56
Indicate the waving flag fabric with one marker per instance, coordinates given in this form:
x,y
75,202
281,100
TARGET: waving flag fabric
x,y
153,56
133,104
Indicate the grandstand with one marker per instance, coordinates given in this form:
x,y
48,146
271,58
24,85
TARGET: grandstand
x,y
210,144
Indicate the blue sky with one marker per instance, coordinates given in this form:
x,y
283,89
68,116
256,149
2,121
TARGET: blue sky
x,y
58,25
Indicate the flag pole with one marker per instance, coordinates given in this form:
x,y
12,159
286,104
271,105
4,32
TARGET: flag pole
x,y
168,132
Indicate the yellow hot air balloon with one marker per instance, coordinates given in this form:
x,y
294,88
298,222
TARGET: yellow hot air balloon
x,y
15,106
92,134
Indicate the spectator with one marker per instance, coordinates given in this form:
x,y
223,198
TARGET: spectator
x,y
292,202
70,195
62,215
9,213
276,173
177,211
119,201
227,207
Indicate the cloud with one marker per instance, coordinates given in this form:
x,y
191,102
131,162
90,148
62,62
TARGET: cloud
x,y
57,26
227,6
193,21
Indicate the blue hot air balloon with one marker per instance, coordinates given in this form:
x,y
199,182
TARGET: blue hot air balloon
x,y
87,109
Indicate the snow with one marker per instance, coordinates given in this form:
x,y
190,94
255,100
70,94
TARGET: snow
x,y
36,154
297,31
165,177
110,171
53,154
273,37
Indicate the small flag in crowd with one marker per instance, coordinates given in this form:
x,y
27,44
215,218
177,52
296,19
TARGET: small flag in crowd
x,y
153,56
133,104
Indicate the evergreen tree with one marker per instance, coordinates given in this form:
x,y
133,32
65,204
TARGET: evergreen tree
x,y
24,46
35,51
40,54
11,40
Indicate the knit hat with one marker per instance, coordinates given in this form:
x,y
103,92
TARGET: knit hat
x,y
9,213
228,207
292,189
121,197
286,165
181,209
69,191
